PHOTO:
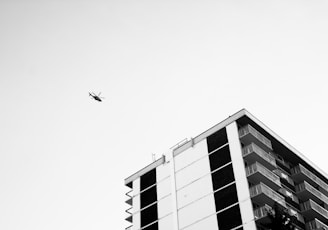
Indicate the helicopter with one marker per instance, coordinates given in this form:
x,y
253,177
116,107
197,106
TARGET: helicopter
x,y
96,97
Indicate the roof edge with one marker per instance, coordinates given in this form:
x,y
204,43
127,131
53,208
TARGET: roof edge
x,y
285,143
144,170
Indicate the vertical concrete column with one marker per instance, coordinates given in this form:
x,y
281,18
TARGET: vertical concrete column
x,y
169,159
246,208
136,205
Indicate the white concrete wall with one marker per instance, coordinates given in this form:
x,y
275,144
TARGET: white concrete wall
x,y
244,199
193,172
163,188
195,200
170,162
190,155
136,205
195,191
162,171
209,223
164,206
166,223
196,211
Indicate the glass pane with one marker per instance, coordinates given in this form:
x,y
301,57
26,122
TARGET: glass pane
x,y
148,179
229,218
149,215
147,197
222,177
220,158
216,140
226,197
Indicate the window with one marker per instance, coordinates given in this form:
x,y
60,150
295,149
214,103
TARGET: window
x,y
225,197
229,218
149,215
148,179
148,196
220,157
216,140
222,177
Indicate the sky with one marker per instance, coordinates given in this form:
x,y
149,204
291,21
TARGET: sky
x,y
168,70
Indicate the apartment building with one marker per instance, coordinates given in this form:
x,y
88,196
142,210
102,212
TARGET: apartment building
x,y
228,178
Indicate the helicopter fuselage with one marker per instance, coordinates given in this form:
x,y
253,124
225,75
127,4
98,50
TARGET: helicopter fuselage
x,y
96,98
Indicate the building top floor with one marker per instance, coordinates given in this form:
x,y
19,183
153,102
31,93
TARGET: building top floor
x,y
287,155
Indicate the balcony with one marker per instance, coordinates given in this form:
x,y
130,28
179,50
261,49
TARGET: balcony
x,y
315,225
311,210
284,178
282,162
300,174
258,173
305,191
129,219
129,202
252,153
262,194
261,214
248,134
298,216
289,196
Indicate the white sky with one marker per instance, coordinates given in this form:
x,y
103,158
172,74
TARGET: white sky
x,y
168,69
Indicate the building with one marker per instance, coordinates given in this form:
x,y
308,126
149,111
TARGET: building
x,y
226,178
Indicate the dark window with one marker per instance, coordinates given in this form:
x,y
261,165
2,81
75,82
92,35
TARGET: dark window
x,y
226,197
149,215
222,177
148,179
220,158
229,218
152,227
216,140
148,196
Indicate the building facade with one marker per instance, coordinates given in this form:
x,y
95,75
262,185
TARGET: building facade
x,y
228,177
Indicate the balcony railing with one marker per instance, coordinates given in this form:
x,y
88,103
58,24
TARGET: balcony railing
x,y
243,133
315,225
270,196
298,216
309,206
289,194
284,176
261,213
129,201
261,155
316,195
267,177
281,161
309,177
